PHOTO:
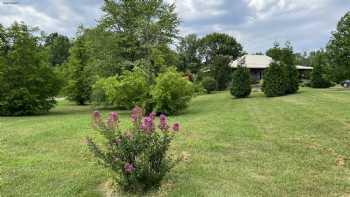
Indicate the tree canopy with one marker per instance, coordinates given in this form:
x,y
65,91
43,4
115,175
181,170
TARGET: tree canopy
x,y
339,51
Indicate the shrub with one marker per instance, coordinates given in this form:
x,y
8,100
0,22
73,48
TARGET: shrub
x,y
172,92
292,79
241,87
198,89
139,155
209,84
318,78
275,80
27,84
125,91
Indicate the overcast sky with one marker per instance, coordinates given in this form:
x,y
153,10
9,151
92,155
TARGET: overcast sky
x,y
255,23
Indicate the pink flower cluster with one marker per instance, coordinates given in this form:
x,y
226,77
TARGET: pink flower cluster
x,y
129,168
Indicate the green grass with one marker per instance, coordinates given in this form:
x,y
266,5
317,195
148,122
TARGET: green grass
x,y
286,146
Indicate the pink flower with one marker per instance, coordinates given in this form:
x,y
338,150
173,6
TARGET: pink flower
x,y
153,115
176,127
96,116
163,123
129,168
113,120
136,114
148,125
114,116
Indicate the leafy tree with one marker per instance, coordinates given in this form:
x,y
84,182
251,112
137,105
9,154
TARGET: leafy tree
x,y
339,51
188,50
132,31
217,50
284,55
27,84
292,79
275,80
241,87
80,77
58,48
318,78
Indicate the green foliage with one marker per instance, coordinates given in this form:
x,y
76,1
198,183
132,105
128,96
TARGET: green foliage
x,y
124,91
221,44
218,50
132,31
284,55
292,79
188,50
80,77
318,78
241,87
209,84
172,92
221,71
27,84
139,155
275,80
339,51
58,48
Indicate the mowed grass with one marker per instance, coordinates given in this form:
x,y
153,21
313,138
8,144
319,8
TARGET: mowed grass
x,y
297,145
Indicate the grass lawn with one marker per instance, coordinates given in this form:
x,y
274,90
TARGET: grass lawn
x,y
296,145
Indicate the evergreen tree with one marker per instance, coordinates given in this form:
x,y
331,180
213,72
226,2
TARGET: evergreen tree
x,y
292,79
80,78
275,80
318,79
241,87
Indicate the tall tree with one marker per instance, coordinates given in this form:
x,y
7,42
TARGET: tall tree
x,y
58,48
132,31
282,54
188,50
217,50
339,50
27,84
80,78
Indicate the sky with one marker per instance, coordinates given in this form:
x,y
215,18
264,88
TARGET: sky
x,y
256,24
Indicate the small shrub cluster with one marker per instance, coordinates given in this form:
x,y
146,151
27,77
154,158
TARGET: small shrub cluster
x,y
123,91
280,79
209,84
318,78
139,155
241,87
171,93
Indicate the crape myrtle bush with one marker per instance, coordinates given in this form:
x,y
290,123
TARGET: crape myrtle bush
x,y
172,92
241,87
125,91
138,155
209,84
27,84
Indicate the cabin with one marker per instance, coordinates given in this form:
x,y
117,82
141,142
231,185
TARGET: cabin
x,y
257,64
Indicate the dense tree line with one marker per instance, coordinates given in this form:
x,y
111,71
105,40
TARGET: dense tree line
x,y
138,35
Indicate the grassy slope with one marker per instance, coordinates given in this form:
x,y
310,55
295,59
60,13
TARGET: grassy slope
x,y
259,146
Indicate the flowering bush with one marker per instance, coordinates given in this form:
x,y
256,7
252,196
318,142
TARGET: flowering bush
x,y
138,155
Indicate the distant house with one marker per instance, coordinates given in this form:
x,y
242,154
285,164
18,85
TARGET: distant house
x,y
258,63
